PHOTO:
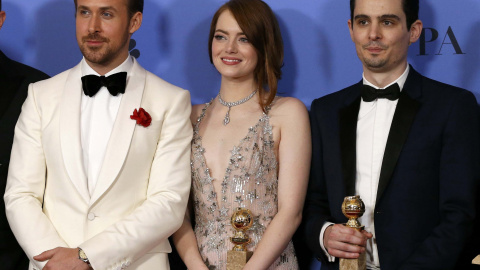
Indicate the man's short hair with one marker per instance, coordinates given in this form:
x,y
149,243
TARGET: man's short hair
x,y
410,8
134,6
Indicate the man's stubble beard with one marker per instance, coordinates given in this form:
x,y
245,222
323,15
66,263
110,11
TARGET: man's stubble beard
x,y
99,55
96,55
375,63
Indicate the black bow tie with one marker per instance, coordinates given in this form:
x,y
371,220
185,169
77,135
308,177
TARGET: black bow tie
x,y
115,83
370,94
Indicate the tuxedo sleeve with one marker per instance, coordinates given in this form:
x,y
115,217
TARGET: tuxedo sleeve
x,y
26,185
316,211
459,177
162,213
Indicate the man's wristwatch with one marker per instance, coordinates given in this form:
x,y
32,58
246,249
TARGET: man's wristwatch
x,y
82,256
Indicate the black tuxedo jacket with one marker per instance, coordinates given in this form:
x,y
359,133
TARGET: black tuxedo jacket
x,y
426,193
14,80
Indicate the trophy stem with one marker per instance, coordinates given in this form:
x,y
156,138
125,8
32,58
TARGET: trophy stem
x,y
353,208
242,220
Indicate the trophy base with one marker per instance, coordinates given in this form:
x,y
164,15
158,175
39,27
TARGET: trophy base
x,y
476,260
236,260
354,264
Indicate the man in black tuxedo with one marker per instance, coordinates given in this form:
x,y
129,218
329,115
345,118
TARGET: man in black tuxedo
x,y
14,80
408,145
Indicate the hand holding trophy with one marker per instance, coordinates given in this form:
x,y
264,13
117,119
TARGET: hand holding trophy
x,y
353,208
242,220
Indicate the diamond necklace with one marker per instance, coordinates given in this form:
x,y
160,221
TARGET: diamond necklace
x,y
231,104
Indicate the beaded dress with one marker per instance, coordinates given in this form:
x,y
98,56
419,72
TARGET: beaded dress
x,y
250,181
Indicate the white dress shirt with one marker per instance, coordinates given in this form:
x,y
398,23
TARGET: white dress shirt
x,y
98,115
373,126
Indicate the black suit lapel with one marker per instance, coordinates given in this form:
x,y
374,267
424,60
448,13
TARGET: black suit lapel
x,y
403,117
8,90
348,117
9,83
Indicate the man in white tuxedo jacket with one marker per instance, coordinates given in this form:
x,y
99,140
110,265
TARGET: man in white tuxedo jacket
x,y
100,178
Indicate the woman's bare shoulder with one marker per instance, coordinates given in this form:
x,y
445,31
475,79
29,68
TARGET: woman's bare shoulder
x,y
287,106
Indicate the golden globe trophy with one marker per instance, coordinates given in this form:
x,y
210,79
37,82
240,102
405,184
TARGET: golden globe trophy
x,y
242,220
353,208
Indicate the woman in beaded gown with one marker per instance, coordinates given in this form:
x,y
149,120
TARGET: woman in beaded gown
x,y
250,148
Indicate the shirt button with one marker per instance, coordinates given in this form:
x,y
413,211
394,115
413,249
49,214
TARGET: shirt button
x,y
91,216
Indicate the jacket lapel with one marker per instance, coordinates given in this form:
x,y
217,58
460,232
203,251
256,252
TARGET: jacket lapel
x,y
403,118
10,82
70,136
348,117
9,89
122,132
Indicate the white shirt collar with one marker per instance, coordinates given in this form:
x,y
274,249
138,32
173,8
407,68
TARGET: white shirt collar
x,y
400,80
126,66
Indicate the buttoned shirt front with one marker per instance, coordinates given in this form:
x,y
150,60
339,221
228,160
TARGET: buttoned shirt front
x,y
98,114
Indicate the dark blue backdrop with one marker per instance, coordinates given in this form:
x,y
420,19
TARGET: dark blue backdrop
x,y
319,55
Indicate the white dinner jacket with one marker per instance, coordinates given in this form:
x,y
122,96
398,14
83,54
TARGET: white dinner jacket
x,y
142,189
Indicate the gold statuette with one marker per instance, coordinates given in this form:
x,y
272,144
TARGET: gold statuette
x,y
242,220
353,208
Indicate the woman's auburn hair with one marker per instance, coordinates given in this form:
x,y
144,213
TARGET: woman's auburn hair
x,y
260,26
